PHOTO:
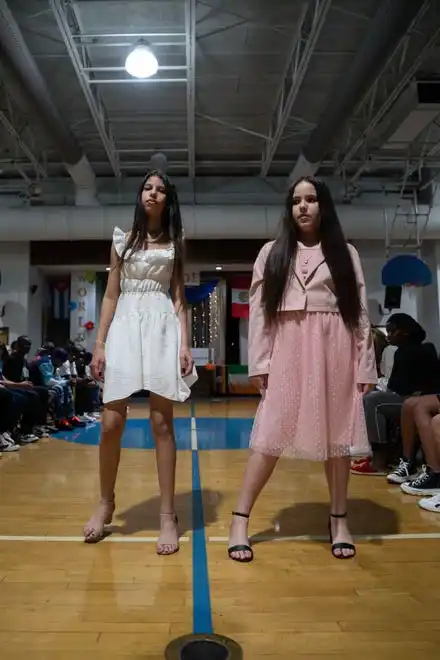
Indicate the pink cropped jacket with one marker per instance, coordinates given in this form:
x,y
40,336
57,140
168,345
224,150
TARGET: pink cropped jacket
x,y
315,294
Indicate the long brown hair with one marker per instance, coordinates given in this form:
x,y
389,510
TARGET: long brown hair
x,y
171,223
334,247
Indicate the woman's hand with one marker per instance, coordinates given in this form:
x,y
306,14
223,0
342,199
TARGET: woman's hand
x,y
260,382
186,361
364,388
97,364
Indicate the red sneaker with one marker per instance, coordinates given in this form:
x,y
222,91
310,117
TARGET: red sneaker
x,y
366,468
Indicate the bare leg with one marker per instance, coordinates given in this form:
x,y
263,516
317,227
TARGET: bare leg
x,y
162,425
435,423
426,408
113,424
258,471
408,428
337,471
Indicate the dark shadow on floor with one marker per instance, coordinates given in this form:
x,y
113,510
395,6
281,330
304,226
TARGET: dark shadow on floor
x,y
311,518
144,516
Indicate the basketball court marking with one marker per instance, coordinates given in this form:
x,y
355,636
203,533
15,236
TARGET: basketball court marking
x,y
221,539
80,539
358,537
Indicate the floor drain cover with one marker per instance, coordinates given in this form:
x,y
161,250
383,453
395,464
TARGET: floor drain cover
x,y
203,647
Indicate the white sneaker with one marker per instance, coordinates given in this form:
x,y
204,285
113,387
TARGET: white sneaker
x,y
87,419
430,504
7,443
41,431
28,439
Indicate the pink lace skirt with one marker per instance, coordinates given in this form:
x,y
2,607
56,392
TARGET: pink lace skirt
x,y
312,408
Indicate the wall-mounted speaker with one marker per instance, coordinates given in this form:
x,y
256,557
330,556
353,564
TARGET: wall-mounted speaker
x,y
393,297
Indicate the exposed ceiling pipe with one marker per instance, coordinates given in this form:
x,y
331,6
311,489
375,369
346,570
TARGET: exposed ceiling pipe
x,y
27,85
388,27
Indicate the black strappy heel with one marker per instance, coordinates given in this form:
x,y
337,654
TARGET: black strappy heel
x,y
340,546
241,548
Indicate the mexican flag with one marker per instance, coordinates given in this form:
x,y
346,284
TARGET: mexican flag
x,y
240,296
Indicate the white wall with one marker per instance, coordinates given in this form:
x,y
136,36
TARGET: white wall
x,y
429,302
14,287
216,221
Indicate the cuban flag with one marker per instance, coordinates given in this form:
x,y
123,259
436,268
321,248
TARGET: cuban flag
x,y
59,299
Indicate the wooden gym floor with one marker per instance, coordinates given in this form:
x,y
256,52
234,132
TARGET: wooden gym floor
x,y
62,599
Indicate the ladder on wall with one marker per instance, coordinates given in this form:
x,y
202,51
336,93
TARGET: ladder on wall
x,y
404,232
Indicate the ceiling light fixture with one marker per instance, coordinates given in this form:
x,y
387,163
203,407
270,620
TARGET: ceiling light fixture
x,y
141,62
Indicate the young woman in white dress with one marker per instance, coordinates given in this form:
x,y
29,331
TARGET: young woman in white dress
x,y
142,343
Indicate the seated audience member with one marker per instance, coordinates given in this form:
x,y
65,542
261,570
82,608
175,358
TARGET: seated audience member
x,y
416,424
415,371
44,370
33,400
8,420
87,400
432,504
8,415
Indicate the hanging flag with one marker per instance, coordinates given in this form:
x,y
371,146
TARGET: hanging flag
x,y
59,299
240,296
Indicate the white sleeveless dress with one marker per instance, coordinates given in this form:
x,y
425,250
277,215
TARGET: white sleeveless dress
x,y
143,342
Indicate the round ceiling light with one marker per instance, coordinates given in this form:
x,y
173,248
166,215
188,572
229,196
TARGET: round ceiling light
x,y
141,62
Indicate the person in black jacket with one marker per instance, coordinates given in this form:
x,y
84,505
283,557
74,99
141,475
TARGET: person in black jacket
x,y
416,371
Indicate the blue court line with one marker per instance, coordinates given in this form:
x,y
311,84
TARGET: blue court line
x,y
202,616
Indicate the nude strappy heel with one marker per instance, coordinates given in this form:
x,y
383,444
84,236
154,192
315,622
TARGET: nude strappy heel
x,y
95,533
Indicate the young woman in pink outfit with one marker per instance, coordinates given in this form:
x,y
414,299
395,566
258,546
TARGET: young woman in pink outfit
x,y
311,353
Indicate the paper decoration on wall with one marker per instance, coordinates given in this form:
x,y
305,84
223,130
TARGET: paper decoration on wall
x,y
406,270
90,276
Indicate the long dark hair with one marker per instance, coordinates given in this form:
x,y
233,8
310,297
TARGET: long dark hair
x,y
279,263
172,226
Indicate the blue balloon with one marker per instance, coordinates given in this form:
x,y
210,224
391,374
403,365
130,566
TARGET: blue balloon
x,y
73,305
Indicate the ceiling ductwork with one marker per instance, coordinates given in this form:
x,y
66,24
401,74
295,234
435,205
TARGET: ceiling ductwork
x,y
388,27
27,85
412,113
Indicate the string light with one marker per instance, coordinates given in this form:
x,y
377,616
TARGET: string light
x,y
205,321
214,317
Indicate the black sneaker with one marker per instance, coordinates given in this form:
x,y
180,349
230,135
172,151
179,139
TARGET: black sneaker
x,y
427,483
405,471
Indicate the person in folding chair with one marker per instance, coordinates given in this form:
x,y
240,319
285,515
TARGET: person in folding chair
x,y
415,372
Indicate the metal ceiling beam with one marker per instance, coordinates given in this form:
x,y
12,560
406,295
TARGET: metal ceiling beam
x,y
310,25
65,16
396,74
233,127
190,23
11,130
423,160
389,26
